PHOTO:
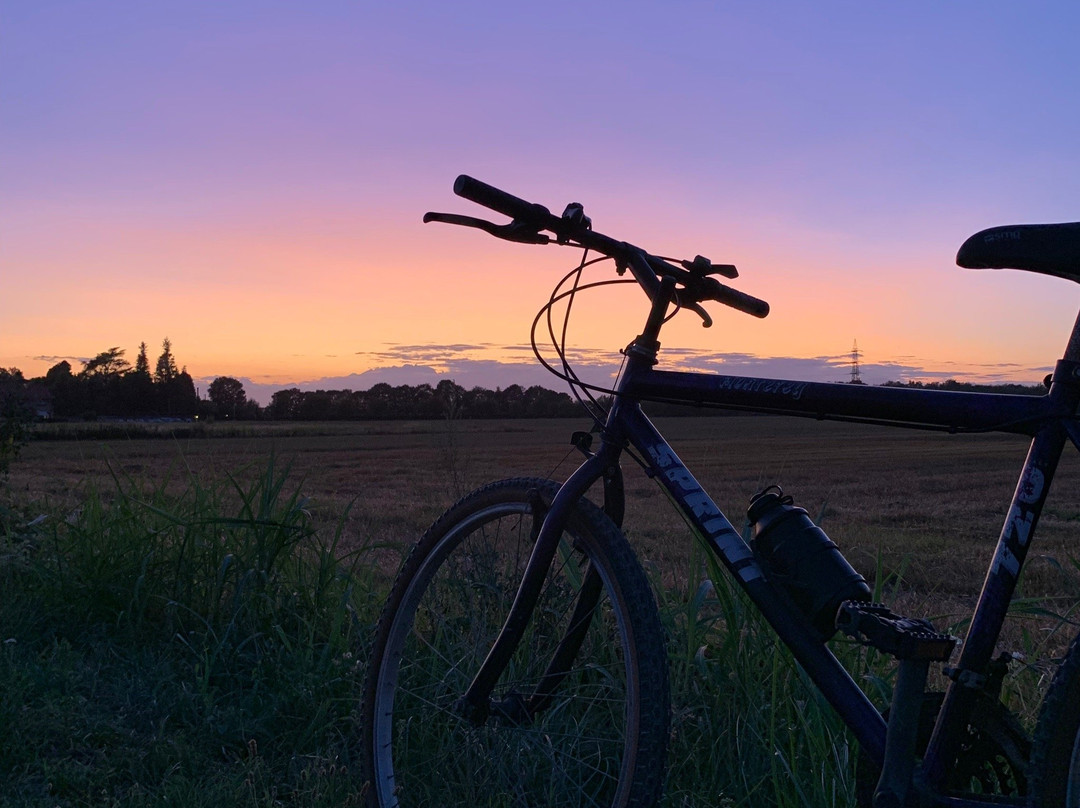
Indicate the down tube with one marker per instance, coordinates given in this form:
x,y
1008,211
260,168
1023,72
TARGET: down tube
x,y
709,523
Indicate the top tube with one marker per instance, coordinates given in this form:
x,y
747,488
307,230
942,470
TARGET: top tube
x,y
943,410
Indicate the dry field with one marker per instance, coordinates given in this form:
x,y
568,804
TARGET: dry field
x,y
924,506
244,714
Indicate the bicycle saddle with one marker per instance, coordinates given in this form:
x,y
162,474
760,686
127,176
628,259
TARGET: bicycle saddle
x,y
1052,249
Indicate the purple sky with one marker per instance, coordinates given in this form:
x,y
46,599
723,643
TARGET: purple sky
x,y
247,178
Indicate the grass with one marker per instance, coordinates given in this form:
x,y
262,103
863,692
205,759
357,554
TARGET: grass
x,y
191,648
747,728
185,620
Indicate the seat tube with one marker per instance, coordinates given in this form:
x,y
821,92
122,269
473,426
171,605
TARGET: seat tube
x,y
1072,350
1013,543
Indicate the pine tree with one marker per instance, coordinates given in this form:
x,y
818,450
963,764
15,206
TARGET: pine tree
x,y
166,369
139,387
142,364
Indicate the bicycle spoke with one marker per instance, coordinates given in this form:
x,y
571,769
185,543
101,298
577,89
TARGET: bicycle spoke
x,y
570,748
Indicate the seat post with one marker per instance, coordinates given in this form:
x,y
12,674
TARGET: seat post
x,y
1072,350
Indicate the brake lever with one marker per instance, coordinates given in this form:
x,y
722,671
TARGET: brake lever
x,y
706,320
515,231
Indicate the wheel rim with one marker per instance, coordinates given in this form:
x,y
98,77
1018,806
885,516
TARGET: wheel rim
x,y
572,754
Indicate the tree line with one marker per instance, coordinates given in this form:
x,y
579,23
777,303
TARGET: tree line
x,y
419,402
109,385
1005,388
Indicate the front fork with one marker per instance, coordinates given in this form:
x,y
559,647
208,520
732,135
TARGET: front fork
x,y
476,704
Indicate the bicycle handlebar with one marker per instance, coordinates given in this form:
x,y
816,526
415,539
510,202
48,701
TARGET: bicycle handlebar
x,y
740,301
696,286
491,197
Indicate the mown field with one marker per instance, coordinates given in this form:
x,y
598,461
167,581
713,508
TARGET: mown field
x,y
928,506
128,682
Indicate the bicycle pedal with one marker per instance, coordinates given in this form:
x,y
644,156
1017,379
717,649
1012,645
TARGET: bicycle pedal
x,y
877,626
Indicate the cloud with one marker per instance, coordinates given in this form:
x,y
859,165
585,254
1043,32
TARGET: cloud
x,y
837,368
467,366
52,360
58,359
440,357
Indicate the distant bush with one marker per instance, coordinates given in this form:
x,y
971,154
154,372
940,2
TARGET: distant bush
x,y
16,412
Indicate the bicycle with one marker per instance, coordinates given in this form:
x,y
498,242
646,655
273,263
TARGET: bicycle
x,y
521,643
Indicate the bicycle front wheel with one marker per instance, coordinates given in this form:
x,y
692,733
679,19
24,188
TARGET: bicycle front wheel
x,y
579,716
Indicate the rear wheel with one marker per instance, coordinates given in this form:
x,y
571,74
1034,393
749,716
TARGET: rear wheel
x,y
1055,755
593,734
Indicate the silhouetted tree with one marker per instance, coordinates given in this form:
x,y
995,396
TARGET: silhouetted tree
x,y
228,395
285,404
181,399
165,370
67,398
1010,388
378,401
447,400
139,386
107,363
61,370
100,383
539,402
450,397
480,403
175,389
512,401
142,363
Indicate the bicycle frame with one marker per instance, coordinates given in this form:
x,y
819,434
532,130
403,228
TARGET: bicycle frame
x,y
1049,419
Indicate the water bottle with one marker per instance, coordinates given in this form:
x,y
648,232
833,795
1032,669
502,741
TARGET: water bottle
x,y
802,560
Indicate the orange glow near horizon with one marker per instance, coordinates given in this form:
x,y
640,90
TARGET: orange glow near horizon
x,y
288,307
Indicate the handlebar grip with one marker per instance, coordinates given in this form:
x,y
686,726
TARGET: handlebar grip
x,y
491,197
749,304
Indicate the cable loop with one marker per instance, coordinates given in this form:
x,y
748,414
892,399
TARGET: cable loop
x,y
581,391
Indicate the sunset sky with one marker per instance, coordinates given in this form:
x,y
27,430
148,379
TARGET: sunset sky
x,y
247,178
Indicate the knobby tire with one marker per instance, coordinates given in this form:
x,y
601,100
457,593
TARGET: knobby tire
x,y
598,739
